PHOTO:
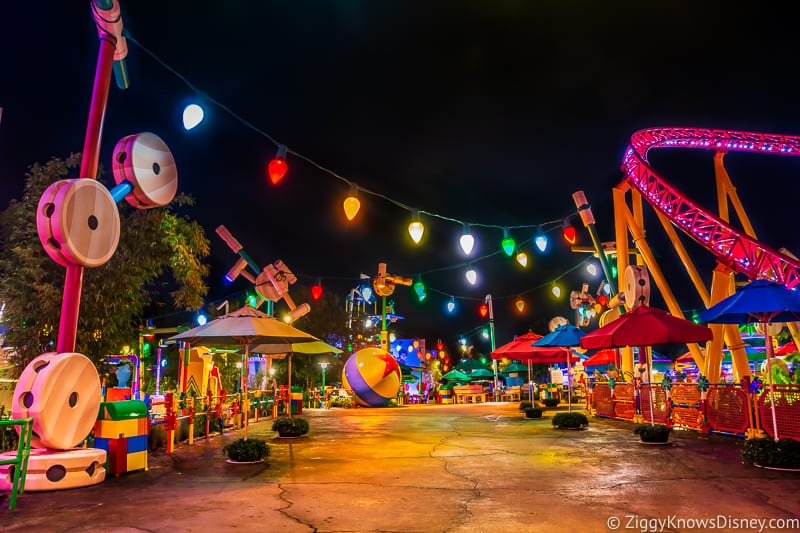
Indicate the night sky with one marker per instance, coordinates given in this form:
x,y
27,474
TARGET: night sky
x,y
491,113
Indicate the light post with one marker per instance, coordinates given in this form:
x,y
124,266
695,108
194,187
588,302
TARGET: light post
x,y
324,365
488,301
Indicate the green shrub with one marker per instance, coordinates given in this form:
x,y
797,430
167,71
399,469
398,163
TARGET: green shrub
x,y
247,450
533,412
652,433
551,402
570,420
342,402
765,451
290,427
525,405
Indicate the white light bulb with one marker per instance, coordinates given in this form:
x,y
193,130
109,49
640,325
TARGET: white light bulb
x,y
472,276
591,269
192,116
467,242
556,291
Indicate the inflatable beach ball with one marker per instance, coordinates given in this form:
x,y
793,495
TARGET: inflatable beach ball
x,y
373,375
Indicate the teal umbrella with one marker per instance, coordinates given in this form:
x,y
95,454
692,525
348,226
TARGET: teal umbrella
x,y
481,373
515,367
468,365
456,375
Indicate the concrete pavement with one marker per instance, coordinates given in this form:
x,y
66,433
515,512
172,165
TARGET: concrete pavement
x,y
442,468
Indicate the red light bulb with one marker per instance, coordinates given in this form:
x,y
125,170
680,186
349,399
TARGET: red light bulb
x,y
277,167
483,310
316,292
569,234
277,170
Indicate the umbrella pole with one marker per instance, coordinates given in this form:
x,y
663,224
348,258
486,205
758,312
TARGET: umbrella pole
x,y
768,343
245,374
289,407
569,383
643,349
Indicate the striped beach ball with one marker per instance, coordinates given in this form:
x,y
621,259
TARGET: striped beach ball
x,y
373,375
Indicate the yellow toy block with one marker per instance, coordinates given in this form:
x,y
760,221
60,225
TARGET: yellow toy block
x,y
137,461
115,429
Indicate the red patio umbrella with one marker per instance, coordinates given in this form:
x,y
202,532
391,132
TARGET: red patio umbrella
x,y
602,358
645,326
517,348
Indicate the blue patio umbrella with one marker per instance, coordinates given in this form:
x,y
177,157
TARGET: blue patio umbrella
x,y
759,301
565,336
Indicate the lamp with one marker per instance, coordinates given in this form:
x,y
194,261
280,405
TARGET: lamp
x,y
419,288
540,240
352,204
277,167
569,231
556,291
193,115
467,241
508,243
522,258
324,365
415,228
316,291
471,275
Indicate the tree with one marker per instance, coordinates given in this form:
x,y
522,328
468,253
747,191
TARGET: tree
x,y
158,262
326,321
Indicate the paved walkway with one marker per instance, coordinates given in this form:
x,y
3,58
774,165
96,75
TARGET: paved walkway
x,y
444,468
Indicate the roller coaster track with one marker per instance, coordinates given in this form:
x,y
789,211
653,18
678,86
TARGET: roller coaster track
x,y
736,250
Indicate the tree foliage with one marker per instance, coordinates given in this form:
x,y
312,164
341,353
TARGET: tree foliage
x,y
326,321
158,263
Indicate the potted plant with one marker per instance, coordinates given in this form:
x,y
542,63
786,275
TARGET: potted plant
x,y
652,433
766,452
246,451
525,405
550,402
570,420
533,412
290,427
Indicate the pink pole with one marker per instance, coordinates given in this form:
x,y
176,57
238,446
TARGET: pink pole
x,y
73,282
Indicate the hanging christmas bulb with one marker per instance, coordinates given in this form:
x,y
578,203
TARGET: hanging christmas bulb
x,y
471,275
591,269
415,228
451,305
316,291
540,240
277,167
522,258
569,231
352,204
193,115
520,304
508,244
467,241
483,310
556,291
419,288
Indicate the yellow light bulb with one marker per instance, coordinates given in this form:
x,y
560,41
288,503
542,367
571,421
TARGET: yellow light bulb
x,y
416,229
520,303
522,259
351,206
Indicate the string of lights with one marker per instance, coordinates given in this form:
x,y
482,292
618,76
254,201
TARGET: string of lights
x,y
277,168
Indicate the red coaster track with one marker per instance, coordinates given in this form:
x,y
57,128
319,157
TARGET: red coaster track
x,y
736,250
